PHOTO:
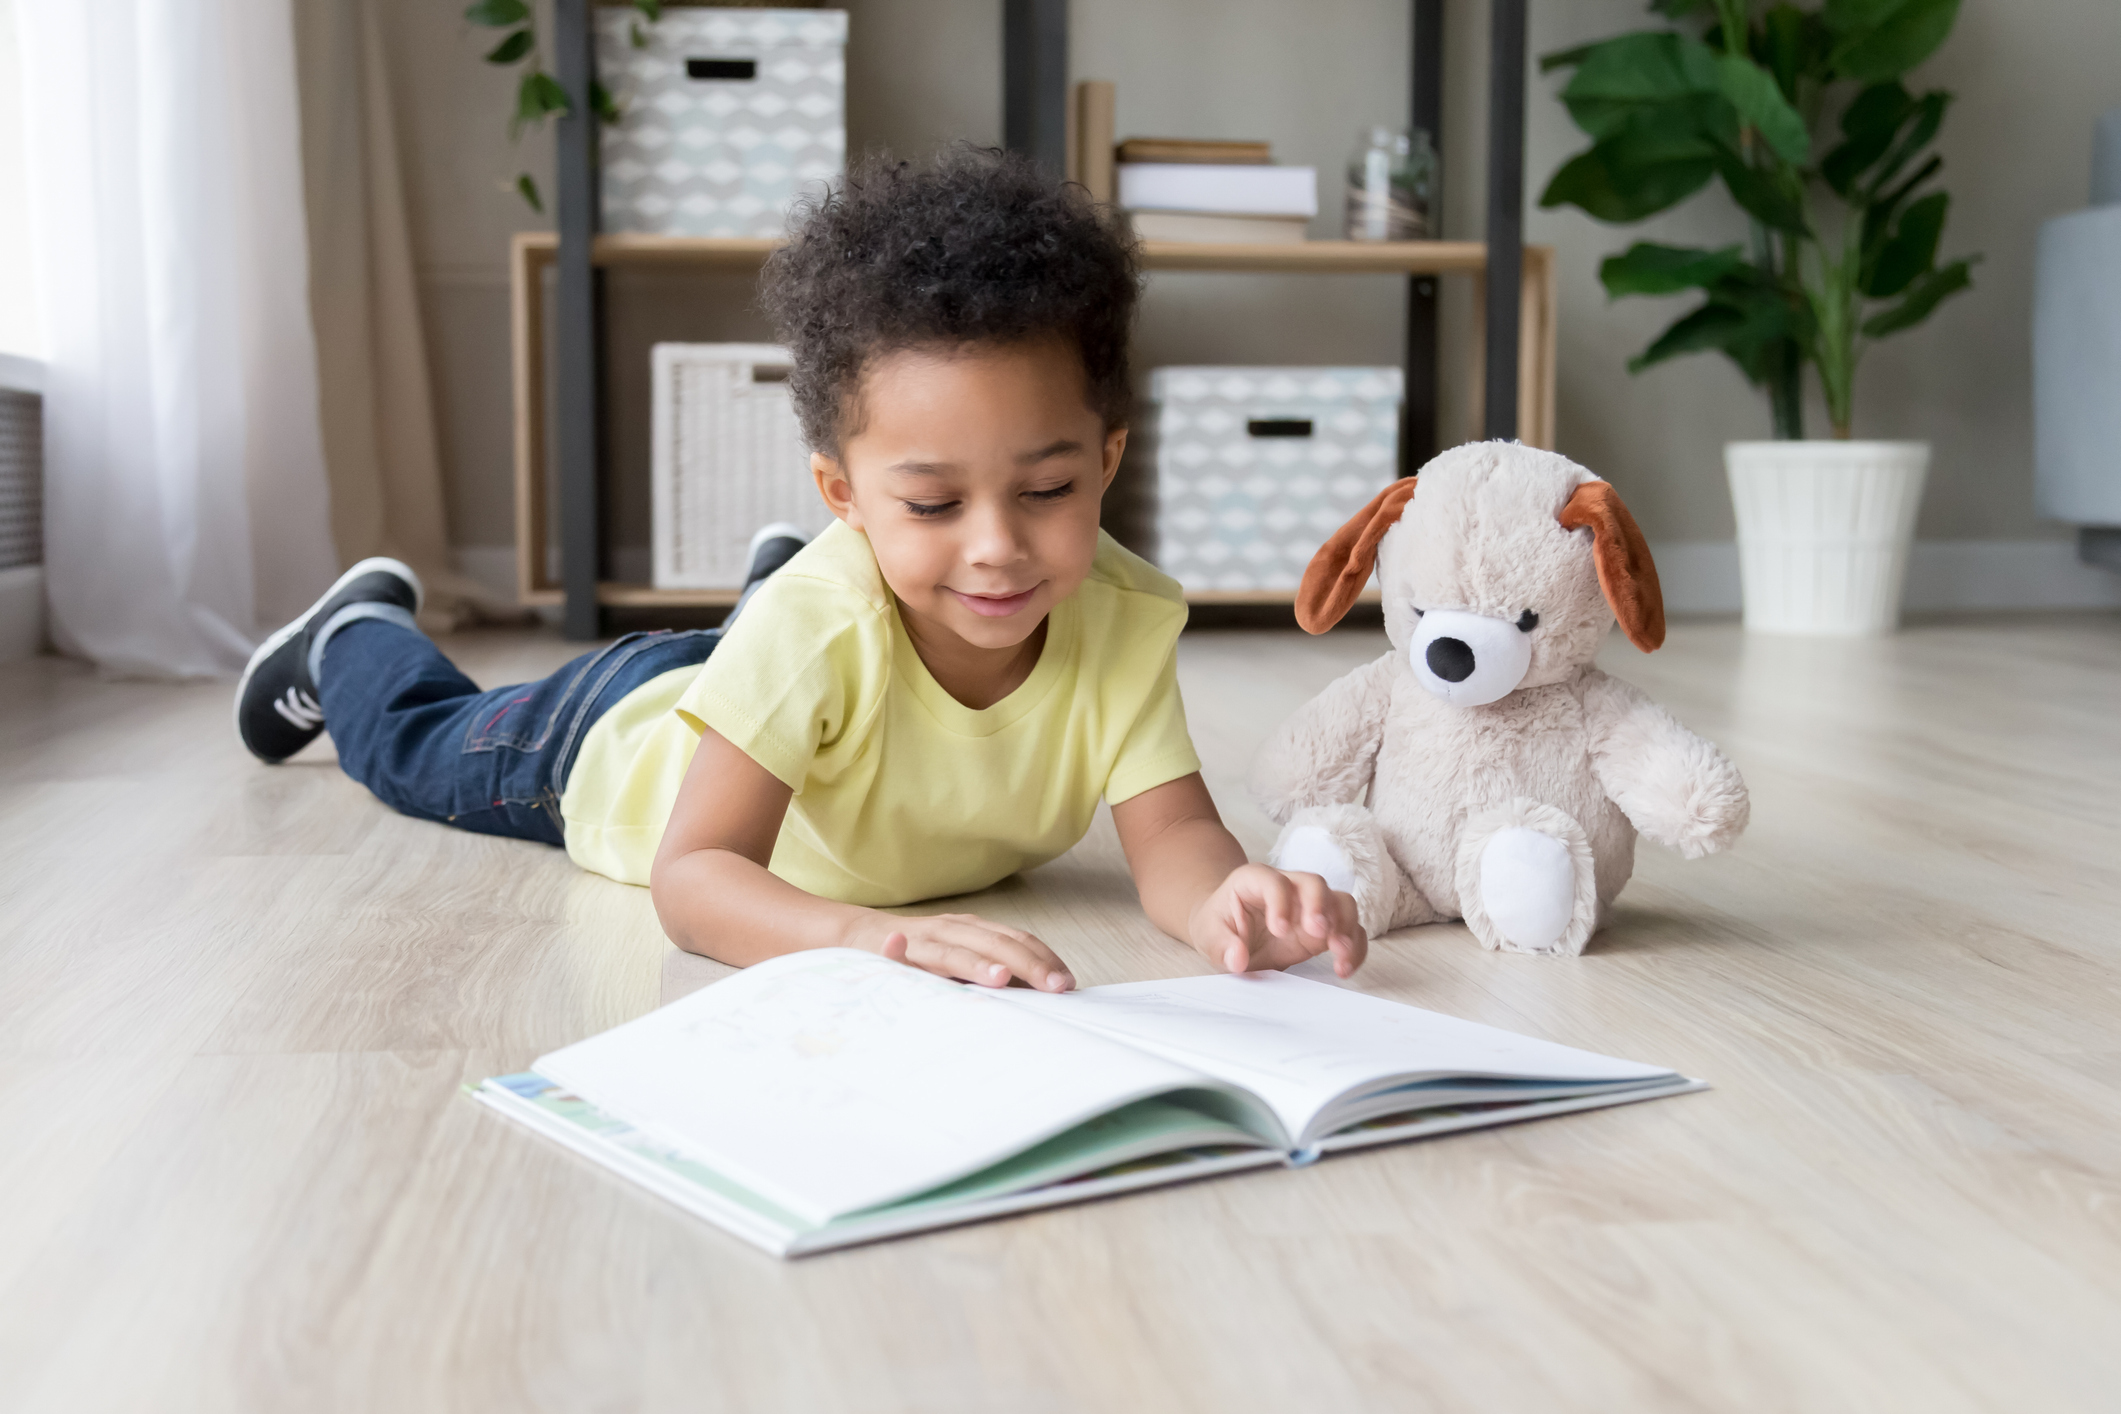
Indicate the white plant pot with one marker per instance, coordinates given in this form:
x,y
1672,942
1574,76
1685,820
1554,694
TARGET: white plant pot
x,y
1824,530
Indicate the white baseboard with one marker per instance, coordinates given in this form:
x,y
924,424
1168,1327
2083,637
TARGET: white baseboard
x,y
1701,577
21,613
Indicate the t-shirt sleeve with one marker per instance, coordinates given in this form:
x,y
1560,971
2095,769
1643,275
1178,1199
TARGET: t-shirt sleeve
x,y
789,679
1158,748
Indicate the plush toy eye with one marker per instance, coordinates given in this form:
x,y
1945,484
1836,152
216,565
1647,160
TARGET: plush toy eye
x,y
1417,612
1527,621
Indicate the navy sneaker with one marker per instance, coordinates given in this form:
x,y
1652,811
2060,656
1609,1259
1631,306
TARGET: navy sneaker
x,y
277,708
771,547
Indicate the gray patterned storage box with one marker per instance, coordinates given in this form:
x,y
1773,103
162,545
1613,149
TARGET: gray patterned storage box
x,y
1256,467
729,116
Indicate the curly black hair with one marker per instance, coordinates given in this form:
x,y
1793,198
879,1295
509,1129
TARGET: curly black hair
x,y
977,246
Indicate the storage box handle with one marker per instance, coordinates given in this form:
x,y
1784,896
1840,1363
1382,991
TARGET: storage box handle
x,y
1279,427
770,372
721,68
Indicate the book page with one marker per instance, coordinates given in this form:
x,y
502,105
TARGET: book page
x,y
832,1081
1302,1045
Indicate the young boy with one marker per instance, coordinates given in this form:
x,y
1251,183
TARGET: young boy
x,y
930,696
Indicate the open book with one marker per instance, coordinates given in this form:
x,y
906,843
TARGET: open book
x,y
827,1098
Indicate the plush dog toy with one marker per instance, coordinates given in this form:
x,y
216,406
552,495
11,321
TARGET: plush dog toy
x,y
1483,769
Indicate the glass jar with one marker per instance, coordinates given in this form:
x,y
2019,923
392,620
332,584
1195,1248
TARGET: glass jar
x,y
1392,186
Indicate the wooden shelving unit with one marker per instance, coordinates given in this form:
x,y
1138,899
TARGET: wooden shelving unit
x,y
533,252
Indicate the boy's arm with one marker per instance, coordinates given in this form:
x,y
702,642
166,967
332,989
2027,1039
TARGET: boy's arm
x,y
1197,885
715,897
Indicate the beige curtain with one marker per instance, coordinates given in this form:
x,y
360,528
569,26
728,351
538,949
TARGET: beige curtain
x,y
376,401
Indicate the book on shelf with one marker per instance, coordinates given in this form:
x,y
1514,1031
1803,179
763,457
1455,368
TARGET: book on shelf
x,y
1224,189
1194,150
1218,228
827,1098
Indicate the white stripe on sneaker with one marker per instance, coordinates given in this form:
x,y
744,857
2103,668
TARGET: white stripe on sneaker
x,y
300,708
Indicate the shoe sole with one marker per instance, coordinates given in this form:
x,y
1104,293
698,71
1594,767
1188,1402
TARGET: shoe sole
x,y
286,631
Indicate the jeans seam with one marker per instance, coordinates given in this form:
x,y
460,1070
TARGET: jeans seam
x,y
477,740
556,773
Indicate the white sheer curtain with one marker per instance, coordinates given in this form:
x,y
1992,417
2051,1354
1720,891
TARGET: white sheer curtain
x,y
186,504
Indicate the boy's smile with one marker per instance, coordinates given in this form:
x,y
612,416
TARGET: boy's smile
x,y
976,473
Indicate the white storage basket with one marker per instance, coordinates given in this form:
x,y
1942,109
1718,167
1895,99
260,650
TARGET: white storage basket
x,y
1256,467
728,457
728,117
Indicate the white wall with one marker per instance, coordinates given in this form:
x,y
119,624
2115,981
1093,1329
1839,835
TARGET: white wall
x,y
2030,78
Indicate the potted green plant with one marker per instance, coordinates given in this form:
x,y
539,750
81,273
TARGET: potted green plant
x,y
1803,115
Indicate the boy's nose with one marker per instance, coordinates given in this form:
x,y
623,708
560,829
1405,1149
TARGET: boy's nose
x,y
992,539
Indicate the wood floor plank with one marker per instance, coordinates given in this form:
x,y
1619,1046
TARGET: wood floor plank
x,y
238,1004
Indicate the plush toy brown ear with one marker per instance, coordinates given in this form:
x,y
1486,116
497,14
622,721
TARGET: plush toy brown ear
x,y
1334,579
1626,572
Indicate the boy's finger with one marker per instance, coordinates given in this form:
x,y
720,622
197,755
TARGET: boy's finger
x,y
1033,962
965,964
1315,901
894,947
1278,892
1030,942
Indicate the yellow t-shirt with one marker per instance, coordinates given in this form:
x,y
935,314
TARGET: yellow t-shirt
x,y
901,791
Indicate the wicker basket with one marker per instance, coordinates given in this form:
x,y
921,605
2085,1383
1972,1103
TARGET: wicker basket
x,y
728,457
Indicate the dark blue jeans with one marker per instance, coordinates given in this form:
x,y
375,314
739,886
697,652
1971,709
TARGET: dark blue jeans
x,y
430,744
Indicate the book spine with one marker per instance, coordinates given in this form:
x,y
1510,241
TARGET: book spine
x,y
1219,188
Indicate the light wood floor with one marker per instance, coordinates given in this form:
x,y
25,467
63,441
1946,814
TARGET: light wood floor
x,y
236,1172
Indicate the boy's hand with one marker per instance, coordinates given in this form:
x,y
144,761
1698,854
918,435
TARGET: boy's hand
x,y
1264,919
968,947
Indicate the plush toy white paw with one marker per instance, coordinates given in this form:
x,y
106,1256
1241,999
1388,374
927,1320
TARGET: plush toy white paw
x,y
1342,845
1309,849
1528,886
1526,879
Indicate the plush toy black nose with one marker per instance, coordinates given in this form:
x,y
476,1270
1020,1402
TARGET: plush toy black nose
x,y
1450,659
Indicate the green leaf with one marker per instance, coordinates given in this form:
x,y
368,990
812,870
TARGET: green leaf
x,y
527,188
1710,327
1909,252
1644,67
1929,116
1633,175
512,48
1565,58
651,10
1879,214
1762,195
601,103
1896,42
538,94
497,14
1786,42
1676,9
1647,269
1753,92
1853,16
1921,301
1868,125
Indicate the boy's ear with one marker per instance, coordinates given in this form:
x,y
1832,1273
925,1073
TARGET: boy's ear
x,y
834,489
1115,448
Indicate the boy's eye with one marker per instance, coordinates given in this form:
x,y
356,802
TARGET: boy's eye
x,y
1051,493
926,509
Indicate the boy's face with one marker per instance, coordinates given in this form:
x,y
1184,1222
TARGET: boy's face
x,y
976,475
